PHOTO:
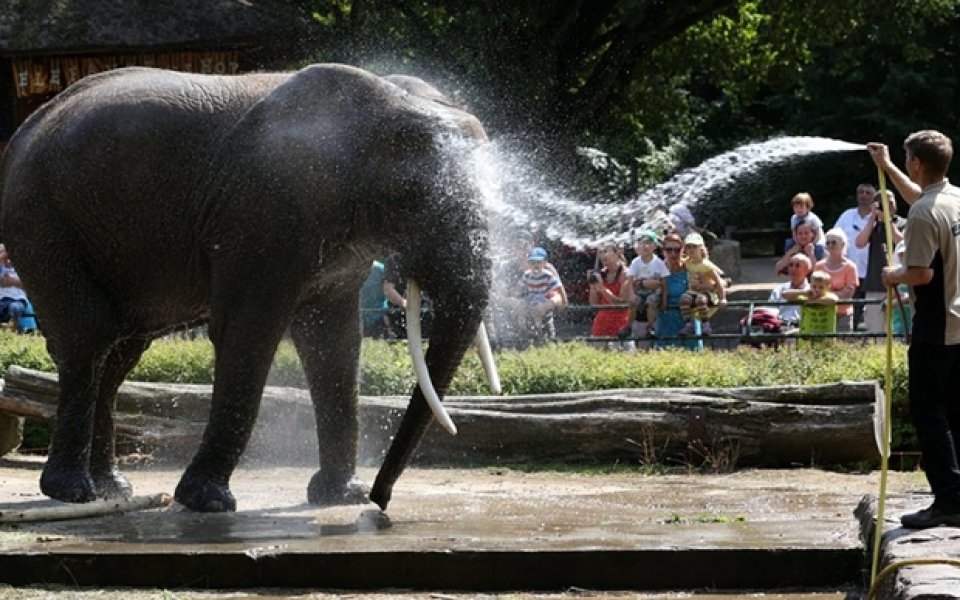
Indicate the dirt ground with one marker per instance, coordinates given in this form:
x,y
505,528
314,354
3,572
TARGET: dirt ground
x,y
697,502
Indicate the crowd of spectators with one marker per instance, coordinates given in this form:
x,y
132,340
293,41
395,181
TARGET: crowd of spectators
x,y
853,259
670,289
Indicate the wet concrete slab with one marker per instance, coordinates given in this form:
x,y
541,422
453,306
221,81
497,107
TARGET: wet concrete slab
x,y
914,564
460,529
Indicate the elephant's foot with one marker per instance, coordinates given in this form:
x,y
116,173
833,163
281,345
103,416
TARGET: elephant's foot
x,y
67,484
203,495
112,484
326,493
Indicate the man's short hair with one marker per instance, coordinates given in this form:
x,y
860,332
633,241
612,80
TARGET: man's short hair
x,y
932,148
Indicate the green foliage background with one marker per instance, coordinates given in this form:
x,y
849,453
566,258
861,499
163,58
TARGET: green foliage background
x,y
569,367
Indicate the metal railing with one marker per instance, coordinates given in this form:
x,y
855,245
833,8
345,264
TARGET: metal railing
x,y
745,334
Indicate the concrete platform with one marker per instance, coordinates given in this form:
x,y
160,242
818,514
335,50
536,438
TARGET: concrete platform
x,y
925,579
462,529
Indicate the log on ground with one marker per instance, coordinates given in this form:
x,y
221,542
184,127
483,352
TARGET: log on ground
x,y
762,426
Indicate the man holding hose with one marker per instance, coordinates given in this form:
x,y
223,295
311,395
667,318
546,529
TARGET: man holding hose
x,y
931,267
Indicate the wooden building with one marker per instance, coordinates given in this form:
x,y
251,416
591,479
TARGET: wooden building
x,y
45,45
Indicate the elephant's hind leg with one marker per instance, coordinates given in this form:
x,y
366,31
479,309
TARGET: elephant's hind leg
x,y
79,348
327,336
108,481
244,342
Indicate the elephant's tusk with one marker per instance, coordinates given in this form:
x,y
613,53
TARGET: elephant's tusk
x,y
486,359
415,344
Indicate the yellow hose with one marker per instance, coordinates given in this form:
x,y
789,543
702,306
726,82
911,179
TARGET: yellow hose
x,y
877,578
887,387
887,570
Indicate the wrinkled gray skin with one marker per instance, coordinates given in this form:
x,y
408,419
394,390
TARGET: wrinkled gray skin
x,y
140,200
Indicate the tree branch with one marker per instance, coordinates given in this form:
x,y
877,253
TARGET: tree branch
x,y
629,45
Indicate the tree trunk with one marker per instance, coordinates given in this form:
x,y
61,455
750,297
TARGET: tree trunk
x,y
761,426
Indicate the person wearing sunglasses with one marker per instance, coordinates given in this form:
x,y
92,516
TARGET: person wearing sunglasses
x,y
672,288
844,277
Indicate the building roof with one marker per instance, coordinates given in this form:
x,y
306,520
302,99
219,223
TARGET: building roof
x,y
64,26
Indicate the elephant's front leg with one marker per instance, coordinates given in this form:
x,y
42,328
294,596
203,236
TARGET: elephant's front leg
x,y
327,336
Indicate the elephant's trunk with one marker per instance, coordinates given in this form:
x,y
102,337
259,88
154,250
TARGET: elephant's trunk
x,y
413,427
455,326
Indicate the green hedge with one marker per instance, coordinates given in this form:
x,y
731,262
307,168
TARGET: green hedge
x,y
385,368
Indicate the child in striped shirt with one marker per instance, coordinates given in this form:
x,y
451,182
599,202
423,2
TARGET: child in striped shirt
x,y
537,285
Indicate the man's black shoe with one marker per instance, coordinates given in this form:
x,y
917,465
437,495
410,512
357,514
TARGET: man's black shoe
x,y
931,517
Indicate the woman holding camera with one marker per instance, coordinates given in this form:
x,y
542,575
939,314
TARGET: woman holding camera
x,y
606,288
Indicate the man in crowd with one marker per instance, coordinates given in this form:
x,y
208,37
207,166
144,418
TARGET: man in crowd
x,y
852,221
931,267
798,269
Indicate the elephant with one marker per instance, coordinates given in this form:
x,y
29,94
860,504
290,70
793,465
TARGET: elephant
x,y
140,200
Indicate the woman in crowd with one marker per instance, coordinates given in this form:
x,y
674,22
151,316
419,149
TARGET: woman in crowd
x,y
843,276
606,288
802,205
806,237
670,320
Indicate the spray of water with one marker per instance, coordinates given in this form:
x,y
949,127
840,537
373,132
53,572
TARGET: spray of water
x,y
520,199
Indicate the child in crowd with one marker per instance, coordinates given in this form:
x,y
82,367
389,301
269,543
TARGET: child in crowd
x,y
820,289
802,205
843,275
643,285
537,285
902,317
704,286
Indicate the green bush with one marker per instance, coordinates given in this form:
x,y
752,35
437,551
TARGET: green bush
x,y
385,368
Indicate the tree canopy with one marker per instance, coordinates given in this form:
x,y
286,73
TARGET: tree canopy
x,y
661,85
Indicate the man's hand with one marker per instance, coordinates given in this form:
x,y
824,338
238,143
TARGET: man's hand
x,y
890,276
879,153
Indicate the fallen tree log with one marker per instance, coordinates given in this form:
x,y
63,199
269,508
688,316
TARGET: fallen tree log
x,y
767,426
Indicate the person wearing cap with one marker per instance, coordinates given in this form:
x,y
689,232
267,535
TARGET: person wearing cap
x,y
931,267
873,237
844,277
644,279
706,286
537,285
520,263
